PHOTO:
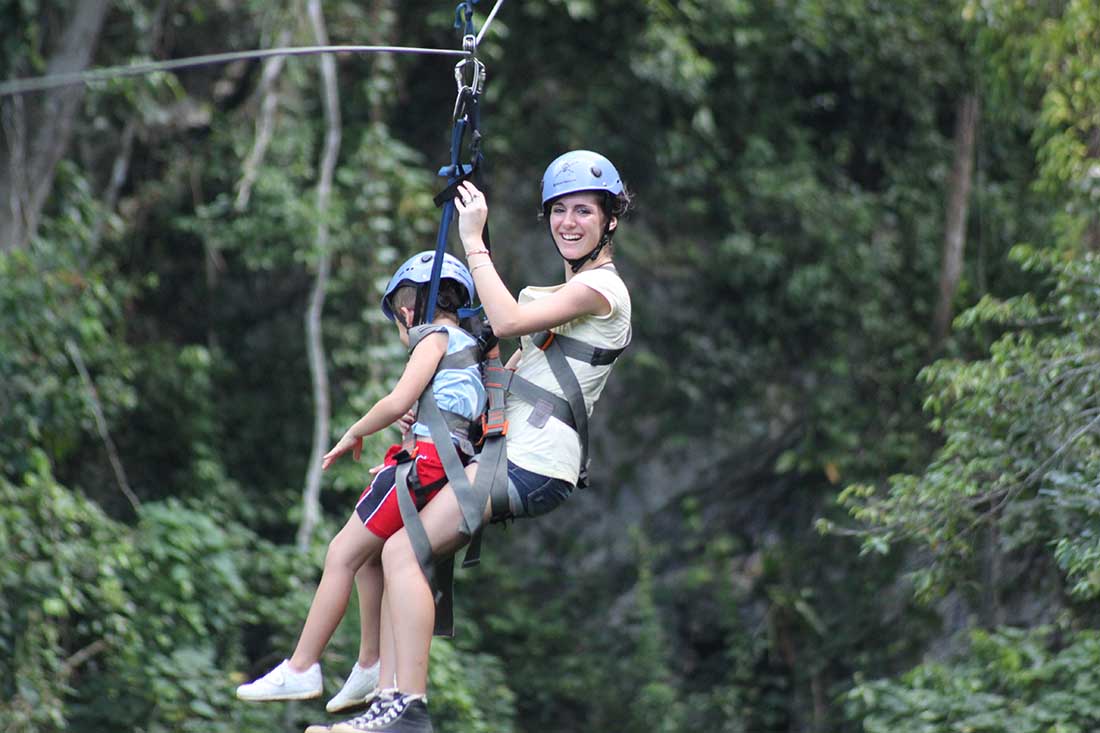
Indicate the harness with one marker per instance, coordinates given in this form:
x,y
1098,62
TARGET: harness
x,y
491,483
445,428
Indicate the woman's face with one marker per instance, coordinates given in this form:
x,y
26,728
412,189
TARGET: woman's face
x,y
576,223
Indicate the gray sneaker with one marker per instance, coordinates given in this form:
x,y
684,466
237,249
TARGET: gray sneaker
x,y
404,714
379,704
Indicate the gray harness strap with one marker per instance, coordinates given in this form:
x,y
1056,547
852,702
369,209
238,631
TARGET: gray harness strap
x,y
459,360
535,395
572,409
491,483
440,575
567,380
577,349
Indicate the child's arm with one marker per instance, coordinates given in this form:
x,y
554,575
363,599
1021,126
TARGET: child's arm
x,y
414,380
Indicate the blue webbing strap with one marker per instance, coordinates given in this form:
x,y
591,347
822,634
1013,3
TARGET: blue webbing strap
x,y
466,115
464,16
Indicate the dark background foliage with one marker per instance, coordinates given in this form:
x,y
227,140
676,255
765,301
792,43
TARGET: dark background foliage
x,y
811,512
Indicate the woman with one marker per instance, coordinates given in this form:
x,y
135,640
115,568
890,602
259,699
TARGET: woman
x,y
582,200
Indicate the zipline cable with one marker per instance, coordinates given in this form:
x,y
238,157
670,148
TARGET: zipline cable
x,y
36,84
489,20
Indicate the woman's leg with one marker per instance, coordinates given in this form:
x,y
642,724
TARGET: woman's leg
x,y
409,600
347,552
368,584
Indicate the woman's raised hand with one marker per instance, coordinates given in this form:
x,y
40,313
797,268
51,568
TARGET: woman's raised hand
x,y
472,213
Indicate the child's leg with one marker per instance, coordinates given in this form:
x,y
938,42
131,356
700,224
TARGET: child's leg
x,y
349,550
368,584
388,654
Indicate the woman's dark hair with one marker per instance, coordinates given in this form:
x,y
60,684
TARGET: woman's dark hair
x,y
619,204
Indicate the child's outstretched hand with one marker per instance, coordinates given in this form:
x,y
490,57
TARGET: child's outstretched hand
x,y
346,442
406,421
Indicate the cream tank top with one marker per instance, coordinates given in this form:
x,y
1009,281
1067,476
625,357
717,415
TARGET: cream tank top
x,y
554,450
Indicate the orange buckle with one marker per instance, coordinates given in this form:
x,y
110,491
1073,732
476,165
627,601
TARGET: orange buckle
x,y
499,426
547,342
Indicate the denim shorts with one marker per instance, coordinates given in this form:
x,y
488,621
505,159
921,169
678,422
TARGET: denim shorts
x,y
531,494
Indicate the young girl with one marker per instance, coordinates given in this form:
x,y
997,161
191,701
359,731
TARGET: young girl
x,y
354,552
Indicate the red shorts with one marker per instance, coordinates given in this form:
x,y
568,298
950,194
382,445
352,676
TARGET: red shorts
x,y
378,508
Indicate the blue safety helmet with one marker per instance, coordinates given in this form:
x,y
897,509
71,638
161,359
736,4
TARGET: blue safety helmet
x,y
417,270
580,170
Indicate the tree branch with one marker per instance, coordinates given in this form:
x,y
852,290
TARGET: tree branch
x,y
101,423
311,505
80,657
265,124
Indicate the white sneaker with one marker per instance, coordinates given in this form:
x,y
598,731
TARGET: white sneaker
x,y
360,684
282,683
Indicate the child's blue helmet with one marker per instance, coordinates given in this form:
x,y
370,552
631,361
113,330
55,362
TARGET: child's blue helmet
x,y
417,270
580,170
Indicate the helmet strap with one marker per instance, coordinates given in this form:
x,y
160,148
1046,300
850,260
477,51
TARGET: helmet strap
x,y
576,263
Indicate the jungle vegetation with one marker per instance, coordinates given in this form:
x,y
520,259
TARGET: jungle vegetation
x,y
847,477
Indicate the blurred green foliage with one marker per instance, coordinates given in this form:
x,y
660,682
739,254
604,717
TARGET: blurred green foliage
x,y
791,161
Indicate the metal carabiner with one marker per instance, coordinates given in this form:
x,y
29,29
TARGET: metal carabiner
x,y
465,90
477,75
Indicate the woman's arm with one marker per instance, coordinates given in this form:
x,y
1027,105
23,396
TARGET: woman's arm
x,y
508,317
414,380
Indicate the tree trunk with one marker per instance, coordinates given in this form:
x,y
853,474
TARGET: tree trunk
x,y
311,506
1092,228
958,203
37,129
265,123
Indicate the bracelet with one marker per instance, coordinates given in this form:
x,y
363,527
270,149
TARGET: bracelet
x,y
473,252
475,268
